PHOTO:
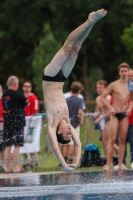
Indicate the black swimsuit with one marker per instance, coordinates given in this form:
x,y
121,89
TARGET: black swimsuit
x,y
57,78
120,116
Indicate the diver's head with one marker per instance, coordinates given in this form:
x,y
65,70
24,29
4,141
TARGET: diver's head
x,y
63,133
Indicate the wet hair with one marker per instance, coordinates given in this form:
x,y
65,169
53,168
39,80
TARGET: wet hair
x,y
102,82
76,87
123,65
60,138
11,80
27,81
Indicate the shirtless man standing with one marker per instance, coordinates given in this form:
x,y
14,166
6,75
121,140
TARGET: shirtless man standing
x,y
119,112
55,74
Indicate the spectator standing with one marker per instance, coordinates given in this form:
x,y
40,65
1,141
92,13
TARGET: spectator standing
x,y
121,91
32,107
75,107
69,94
14,122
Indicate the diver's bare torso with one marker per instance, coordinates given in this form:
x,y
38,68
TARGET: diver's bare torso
x,y
55,103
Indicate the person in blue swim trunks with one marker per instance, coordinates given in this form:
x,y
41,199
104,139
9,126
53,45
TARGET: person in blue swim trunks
x,y
121,91
55,74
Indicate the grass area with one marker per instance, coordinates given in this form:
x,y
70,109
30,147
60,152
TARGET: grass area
x,y
52,164
49,162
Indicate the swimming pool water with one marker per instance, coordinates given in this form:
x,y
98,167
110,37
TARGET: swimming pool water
x,y
75,186
77,197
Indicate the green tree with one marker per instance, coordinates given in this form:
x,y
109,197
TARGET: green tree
x,y
103,49
21,27
127,39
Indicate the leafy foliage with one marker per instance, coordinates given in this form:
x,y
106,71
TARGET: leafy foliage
x,y
127,39
24,43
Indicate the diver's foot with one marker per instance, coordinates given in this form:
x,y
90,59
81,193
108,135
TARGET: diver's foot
x,y
95,16
106,168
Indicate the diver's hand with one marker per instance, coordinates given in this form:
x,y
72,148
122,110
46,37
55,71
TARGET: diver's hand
x,y
68,170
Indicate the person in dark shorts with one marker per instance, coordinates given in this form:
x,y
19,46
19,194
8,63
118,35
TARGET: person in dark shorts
x,y
14,122
31,109
54,76
121,91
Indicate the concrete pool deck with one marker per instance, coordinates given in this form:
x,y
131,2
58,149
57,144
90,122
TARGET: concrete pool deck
x,y
26,174
30,173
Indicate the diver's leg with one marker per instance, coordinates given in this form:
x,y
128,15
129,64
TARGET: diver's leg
x,y
75,39
70,61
